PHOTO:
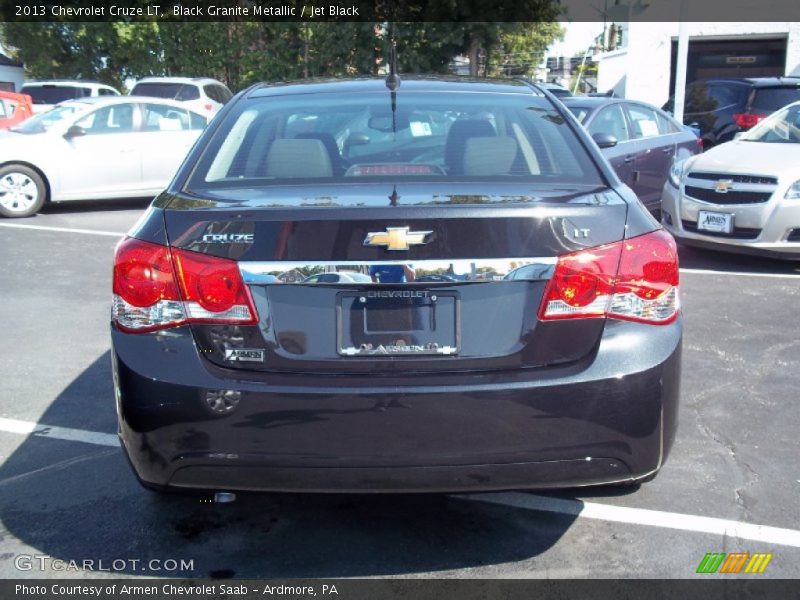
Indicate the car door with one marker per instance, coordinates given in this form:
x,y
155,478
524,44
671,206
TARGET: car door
x,y
611,120
168,132
654,156
102,154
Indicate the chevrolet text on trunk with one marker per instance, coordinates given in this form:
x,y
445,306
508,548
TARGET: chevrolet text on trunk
x,y
362,286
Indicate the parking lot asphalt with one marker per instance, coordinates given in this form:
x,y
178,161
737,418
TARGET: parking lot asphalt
x,y
731,484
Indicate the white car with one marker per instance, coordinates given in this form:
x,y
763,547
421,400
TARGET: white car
x,y
201,94
744,195
46,94
94,148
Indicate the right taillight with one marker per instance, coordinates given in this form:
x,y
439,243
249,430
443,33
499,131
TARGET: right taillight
x,y
635,279
156,287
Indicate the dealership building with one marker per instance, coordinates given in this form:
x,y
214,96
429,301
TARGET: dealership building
x,y
643,67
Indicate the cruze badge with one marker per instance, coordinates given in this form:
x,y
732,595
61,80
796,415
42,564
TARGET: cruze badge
x,y
228,238
397,238
723,185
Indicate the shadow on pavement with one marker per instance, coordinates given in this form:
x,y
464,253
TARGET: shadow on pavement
x,y
701,258
79,502
96,205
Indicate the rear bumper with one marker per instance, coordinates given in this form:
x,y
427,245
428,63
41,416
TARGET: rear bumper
x,y
609,418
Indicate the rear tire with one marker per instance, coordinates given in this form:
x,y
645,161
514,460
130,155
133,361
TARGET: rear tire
x,y
22,191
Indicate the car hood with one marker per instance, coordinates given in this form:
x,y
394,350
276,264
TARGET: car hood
x,y
751,158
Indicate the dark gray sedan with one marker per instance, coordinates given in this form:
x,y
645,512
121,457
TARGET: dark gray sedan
x,y
639,140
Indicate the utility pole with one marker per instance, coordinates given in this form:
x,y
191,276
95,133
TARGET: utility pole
x,y
680,63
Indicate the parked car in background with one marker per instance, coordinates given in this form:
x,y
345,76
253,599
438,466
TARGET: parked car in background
x,y
741,196
94,148
46,94
639,140
201,94
339,277
721,108
568,374
558,90
14,108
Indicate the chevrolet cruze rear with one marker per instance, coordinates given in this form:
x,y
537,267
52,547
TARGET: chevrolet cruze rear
x,y
439,288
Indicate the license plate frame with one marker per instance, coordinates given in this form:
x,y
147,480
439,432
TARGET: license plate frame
x,y
433,316
714,222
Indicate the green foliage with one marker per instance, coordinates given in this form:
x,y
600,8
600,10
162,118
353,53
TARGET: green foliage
x,y
242,52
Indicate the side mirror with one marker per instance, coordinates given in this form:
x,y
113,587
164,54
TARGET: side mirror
x,y
74,131
604,140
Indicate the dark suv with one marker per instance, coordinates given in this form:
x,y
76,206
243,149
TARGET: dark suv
x,y
720,108
427,368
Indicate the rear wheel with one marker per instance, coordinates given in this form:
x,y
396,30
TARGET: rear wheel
x,y
22,191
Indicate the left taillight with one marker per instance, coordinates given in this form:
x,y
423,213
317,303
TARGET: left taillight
x,y
748,120
156,287
634,279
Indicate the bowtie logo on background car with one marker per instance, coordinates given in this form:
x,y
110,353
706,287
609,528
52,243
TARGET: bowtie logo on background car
x,y
397,238
723,186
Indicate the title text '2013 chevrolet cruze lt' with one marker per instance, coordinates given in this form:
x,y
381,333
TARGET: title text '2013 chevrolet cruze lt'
x,y
351,286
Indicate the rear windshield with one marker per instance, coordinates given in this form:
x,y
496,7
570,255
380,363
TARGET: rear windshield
x,y
53,94
172,91
428,136
771,99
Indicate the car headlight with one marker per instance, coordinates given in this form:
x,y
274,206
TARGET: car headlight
x,y
676,173
793,193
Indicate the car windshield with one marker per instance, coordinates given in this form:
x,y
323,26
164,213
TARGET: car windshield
x,y
439,136
46,120
53,94
783,127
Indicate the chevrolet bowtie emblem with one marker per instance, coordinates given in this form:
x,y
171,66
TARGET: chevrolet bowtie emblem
x,y
723,185
397,238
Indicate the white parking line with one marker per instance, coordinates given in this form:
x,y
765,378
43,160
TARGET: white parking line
x,y
577,508
644,516
63,229
58,433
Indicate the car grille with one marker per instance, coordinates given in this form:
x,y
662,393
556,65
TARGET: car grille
x,y
732,197
738,233
735,178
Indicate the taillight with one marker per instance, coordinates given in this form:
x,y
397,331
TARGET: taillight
x,y
212,288
747,120
156,287
635,279
699,144
209,107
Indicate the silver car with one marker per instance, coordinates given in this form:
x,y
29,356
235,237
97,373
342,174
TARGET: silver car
x,y
94,148
744,195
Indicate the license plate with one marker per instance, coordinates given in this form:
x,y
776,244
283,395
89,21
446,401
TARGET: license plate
x,y
398,323
714,221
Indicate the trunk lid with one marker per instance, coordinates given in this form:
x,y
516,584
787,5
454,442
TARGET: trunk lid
x,y
460,290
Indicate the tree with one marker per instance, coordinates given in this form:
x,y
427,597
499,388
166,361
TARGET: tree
x,y
240,52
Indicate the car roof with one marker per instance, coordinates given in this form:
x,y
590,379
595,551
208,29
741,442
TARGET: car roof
x,y
107,100
195,80
754,81
68,82
415,83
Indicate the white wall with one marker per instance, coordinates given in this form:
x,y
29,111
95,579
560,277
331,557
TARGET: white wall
x,y
649,47
13,74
